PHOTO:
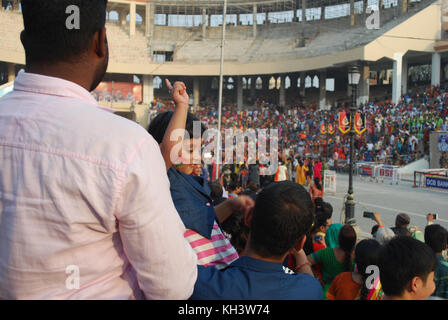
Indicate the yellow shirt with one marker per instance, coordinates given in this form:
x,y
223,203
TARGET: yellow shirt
x,y
300,174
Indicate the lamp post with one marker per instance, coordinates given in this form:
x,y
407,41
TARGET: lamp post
x,y
353,80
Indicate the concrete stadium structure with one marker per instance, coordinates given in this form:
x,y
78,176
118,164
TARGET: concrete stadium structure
x,y
287,55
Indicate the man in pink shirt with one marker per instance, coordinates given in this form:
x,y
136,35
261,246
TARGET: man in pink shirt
x,y
85,205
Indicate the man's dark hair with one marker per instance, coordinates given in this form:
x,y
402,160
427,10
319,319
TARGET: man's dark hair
x,y
46,37
436,237
400,260
159,124
283,214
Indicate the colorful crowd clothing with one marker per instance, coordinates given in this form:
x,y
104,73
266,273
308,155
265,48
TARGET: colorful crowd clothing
x,y
191,197
252,279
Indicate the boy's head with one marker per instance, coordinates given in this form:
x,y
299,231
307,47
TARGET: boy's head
x,y
282,216
407,268
436,237
191,144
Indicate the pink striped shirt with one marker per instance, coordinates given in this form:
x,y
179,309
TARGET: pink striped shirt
x,y
217,252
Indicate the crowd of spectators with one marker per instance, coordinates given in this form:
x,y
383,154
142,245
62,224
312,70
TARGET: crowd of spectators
x,y
93,206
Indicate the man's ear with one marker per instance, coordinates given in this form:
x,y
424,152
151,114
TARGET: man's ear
x,y
100,43
248,217
299,245
415,284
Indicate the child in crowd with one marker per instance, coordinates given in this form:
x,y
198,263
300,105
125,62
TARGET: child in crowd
x,y
407,268
278,224
334,260
174,131
353,285
436,237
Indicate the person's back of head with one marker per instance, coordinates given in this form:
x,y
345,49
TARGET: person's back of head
x,y
159,125
406,265
347,241
216,190
50,36
366,254
436,237
283,214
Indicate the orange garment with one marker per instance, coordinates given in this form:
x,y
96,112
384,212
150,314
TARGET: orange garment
x,y
344,288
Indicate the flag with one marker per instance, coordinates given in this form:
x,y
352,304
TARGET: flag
x,y
344,122
360,123
323,130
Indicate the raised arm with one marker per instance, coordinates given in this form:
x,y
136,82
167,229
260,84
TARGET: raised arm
x,y
174,134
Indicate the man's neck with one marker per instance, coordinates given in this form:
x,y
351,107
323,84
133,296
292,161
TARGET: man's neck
x,y
71,72
248,252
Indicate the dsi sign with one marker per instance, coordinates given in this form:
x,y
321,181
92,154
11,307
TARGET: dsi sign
x,y
437,182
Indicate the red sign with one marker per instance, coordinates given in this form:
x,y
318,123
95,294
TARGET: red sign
x,y
119,91
344,122
360,123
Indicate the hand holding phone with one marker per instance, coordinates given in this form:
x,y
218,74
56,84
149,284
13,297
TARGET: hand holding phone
x,y
368,214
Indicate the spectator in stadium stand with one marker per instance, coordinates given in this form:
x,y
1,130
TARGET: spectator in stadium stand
x,y
191,194
379,232
282,216
407,269
309,174
436,237
336,260
216,193
401,225
316,190
317,169
353,285
80,196
443,161
301,170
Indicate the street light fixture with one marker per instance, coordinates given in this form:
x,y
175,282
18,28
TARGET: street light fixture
x,y
354,76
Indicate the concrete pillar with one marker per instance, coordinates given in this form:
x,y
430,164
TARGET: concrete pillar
x,y
204,23
302,84
239,92
254,24
304,10
196,92
253,80
352,13
435,69
149,20
148,89
404,76
282,96
11,72
396,80
323,90
132,18
122,16
404,6
364,86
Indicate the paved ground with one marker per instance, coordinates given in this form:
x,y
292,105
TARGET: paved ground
x,y
389,200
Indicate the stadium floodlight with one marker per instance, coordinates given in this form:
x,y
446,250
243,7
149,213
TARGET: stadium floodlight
x,y
354,76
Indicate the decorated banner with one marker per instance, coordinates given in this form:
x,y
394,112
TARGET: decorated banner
x,y
330,128
344,122
360,123
323,129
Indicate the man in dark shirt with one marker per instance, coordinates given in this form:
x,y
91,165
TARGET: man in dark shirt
x,y
401,225
283,214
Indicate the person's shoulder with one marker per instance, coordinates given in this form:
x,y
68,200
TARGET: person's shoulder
x,y
307,287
